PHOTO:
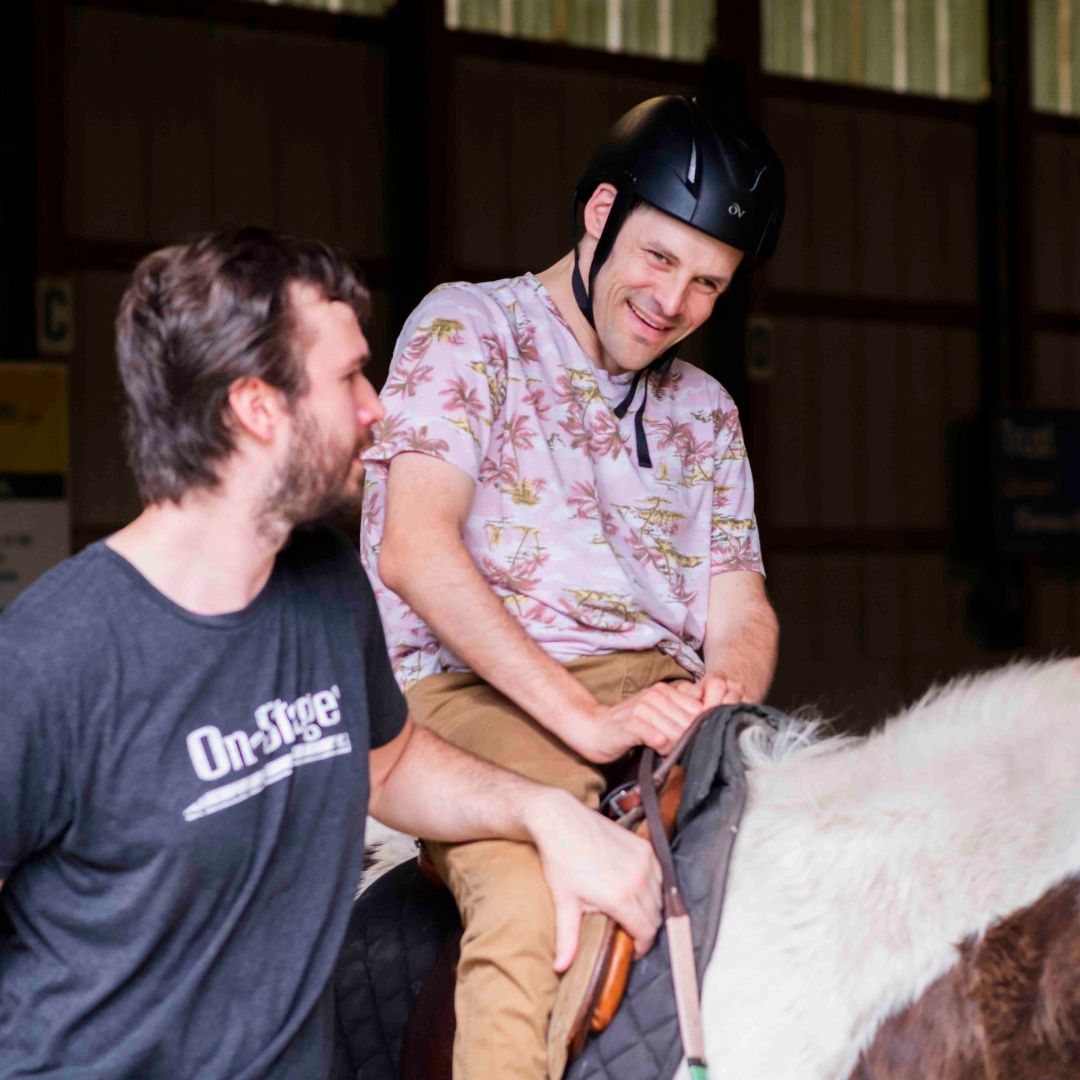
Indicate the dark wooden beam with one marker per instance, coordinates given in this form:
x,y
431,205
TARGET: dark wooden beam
x,y
74,254
807,305
869,98
1006,236
18,136
564,57
281,18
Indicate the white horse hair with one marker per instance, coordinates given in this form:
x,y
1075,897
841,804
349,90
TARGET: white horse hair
x,y
861,864
385,849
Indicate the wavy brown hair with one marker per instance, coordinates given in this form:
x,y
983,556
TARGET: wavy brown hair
x,y
195,318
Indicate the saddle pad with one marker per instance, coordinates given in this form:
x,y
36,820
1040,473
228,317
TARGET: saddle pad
x,y
395,932
642,1042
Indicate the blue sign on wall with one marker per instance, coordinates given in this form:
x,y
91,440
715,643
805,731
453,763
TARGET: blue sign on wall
x,y
1036,481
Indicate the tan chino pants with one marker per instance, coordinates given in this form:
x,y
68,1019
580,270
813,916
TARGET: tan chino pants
x,y
505,982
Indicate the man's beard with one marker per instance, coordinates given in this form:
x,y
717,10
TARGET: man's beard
x,y
313,482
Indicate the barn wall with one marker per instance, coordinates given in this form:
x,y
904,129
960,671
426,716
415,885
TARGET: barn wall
x,y
174,125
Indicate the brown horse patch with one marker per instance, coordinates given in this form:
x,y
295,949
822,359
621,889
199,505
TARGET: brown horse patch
x,y
1008,1010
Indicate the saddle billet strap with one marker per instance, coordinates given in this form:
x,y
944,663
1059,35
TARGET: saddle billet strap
x,y
677,923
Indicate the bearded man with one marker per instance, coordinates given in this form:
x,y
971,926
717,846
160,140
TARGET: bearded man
x,y
199,709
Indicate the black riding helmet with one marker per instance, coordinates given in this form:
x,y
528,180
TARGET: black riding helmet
x,y
701,164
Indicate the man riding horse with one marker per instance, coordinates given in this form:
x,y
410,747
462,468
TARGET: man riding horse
x,y
561,582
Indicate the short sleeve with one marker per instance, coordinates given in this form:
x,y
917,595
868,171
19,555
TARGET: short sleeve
x,y
385,702
735,544
34,808
446,383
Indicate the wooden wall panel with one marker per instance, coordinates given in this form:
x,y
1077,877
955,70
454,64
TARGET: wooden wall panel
x,y
858,418
838,462
1055,382
175,108
876,154
1056,616
833,228
1056,224
863,634
244,129
482,115
103,493
921,426
107,193
886,426
176,126
790,128
540,232
879,204
522,135
789,490
883,603
359,132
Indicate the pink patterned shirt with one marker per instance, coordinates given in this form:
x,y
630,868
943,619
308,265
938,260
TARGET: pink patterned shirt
x,y
588,551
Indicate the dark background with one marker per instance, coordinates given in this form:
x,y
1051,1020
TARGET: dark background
x,y
928,273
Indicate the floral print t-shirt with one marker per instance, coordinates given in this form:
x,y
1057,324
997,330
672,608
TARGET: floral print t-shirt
x,y
590,552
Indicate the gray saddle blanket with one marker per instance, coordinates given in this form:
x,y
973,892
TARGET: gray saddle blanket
x,y
398,924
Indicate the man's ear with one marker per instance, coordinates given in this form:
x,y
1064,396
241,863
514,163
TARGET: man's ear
x,y
257,408
597,209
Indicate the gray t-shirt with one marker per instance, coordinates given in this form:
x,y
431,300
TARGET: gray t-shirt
x,y
182,803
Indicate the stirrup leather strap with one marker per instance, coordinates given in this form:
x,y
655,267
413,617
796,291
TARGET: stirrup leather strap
x,y
677,923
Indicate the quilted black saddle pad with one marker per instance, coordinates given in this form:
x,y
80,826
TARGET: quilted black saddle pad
x,y
395,933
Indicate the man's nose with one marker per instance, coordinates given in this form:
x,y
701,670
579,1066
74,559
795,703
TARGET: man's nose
x,y
369,408
669,297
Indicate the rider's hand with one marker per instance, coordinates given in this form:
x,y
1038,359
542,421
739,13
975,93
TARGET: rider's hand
x,y
655,716
720,690
591,864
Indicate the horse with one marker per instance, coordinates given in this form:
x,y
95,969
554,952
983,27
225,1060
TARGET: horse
x,y
907,903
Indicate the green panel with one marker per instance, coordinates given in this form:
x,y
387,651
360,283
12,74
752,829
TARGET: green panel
x,y
877,38
921,46
693,28
1044,87
968,49
640,31
586,23
833,40
481,15
781,42
534,19
1074,59
367,7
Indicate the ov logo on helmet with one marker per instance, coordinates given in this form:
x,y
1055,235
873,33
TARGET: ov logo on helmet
x,y
735,210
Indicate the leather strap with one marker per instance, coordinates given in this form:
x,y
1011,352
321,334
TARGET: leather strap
x,y
677,923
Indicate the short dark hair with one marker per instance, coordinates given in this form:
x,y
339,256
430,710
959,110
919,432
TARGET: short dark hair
x,y
195,318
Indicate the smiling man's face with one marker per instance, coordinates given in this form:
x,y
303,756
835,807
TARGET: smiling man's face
x,y
658,285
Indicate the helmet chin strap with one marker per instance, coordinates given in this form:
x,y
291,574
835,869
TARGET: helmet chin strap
x,y
620,211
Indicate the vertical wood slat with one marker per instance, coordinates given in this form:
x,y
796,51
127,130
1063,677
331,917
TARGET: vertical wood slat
x,y
791,131
102,490
837,466
107,192
177,133
789,491
880,451
244,131
920,425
